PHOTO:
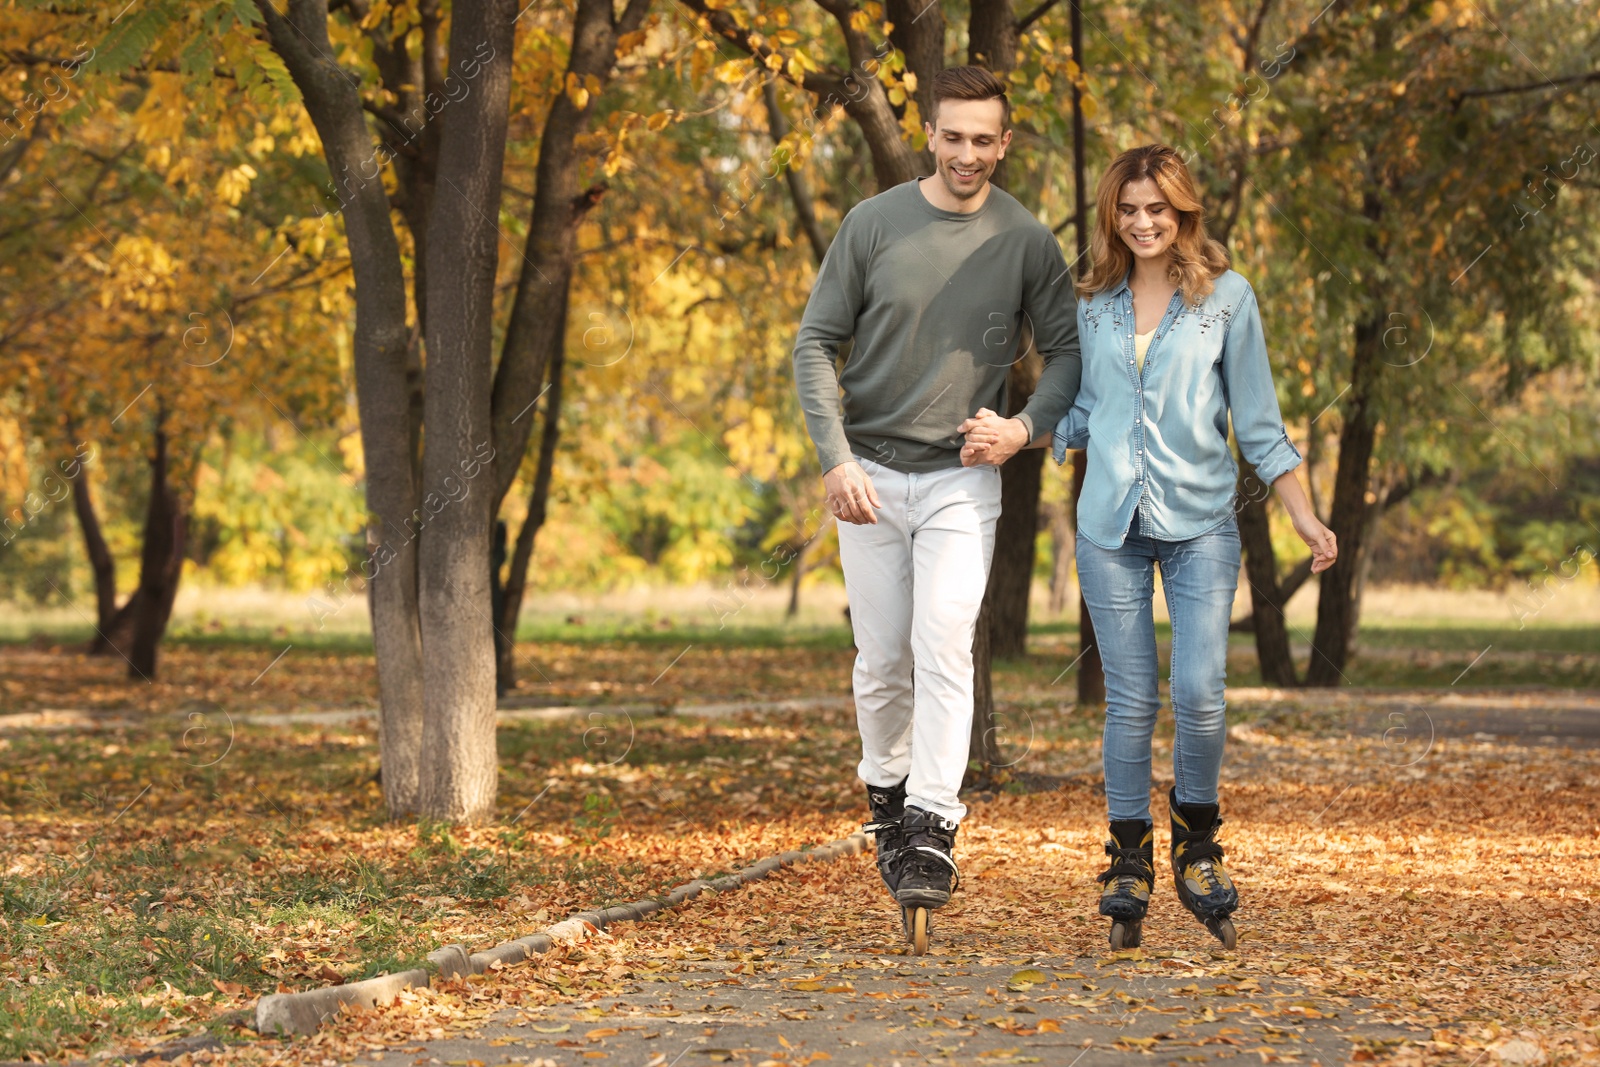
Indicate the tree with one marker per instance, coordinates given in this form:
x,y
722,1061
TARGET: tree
x,y
123,229
536,332
1405,157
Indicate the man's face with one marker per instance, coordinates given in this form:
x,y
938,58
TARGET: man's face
x,y
967,142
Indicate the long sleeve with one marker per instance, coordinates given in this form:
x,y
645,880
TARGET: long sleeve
x,y
829,321
1049,302
1252,399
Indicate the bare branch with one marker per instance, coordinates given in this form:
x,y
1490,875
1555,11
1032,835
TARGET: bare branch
x,y
1033,16
1531,87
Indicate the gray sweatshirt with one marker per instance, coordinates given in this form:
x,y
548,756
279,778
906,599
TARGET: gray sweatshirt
x,y
934,301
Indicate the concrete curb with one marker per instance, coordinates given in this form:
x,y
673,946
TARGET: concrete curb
x,y
302,1013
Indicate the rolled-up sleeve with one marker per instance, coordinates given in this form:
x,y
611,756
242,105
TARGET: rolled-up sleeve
x,y
1252,398
1071,432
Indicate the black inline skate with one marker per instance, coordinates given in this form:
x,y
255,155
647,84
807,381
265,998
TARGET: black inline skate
x,y
1202,881
888,805
1128,881
925,874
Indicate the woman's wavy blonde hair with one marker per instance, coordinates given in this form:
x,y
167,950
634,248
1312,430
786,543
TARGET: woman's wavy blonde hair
x,y
1196,259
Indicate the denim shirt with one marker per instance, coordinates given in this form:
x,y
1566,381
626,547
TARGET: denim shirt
x,y
1158,440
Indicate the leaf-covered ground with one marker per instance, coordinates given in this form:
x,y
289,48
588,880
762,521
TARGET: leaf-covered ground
x,y
157,877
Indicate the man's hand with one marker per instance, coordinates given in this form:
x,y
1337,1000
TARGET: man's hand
x,y
991,439
851,496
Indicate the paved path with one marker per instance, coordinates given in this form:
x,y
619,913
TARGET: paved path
x,y
864,1004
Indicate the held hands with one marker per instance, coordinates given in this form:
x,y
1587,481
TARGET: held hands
x,y
850,494
991,439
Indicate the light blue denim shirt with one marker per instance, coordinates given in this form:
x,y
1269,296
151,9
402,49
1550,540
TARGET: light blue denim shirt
x,y
1158,440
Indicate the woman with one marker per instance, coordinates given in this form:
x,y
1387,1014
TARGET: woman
x,y
1172,345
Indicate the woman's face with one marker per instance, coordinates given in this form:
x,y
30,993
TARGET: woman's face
x,y
1146,222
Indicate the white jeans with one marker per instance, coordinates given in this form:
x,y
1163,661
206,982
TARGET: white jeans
x,y
916,582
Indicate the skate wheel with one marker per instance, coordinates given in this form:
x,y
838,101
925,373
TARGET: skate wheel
x,y
1225,932
917,930
1125,935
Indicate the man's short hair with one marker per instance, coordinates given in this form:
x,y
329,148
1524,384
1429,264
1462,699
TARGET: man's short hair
x,y
970,83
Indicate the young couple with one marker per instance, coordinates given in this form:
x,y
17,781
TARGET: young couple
x,y
931,282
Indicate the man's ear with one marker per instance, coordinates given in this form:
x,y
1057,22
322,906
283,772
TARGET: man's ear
x,y
927,128
1005,142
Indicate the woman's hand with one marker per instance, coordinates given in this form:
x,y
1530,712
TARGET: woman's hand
x,y
1324,546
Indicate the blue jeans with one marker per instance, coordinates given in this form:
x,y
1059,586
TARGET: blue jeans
x,y
1199,577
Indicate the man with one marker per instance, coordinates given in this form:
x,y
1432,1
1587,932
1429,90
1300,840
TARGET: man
x,y
932,281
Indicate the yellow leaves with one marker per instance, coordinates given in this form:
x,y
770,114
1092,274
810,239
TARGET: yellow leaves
x,y
798,63
581,90
730,72
1027,978
234,183
659,121
261,144
615,159
1041,85
911,123
184,171
162,112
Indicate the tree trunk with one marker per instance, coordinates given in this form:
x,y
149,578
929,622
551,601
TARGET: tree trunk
x,y
101,562
538,504
983,750
1336,607
794,584
1091,672
1063,545
160,565
1015,538
383,392
992,36
1000,630
115,637
460,769
1267,597
919,35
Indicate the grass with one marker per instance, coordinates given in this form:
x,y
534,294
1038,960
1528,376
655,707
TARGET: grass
x,y
142,894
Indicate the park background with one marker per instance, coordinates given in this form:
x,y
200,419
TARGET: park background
x,y
231,236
